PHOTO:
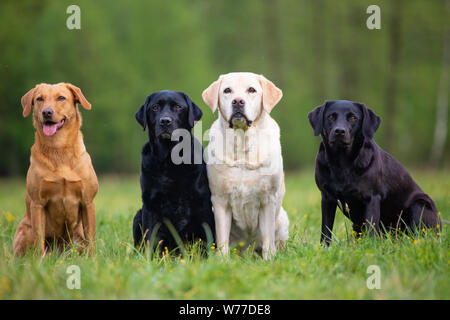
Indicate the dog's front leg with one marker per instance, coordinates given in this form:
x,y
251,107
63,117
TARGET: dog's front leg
x,y
328,214
222,216
267,230
88,219
38,225
372,214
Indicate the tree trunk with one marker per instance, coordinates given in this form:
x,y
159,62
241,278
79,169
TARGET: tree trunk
x,y
272,30
440,128
391,89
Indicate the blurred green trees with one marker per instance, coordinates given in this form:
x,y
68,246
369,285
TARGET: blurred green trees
x,y
313,50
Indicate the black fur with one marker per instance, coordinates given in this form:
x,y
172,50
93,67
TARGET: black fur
x,y
177,192
352,169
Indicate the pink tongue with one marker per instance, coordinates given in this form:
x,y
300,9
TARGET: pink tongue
x,y
50,129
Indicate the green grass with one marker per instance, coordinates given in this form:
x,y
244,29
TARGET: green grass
x,y
411,268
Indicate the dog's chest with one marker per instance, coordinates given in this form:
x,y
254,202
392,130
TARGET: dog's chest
x,y
345,184
170,194
62,194
247,193
245,211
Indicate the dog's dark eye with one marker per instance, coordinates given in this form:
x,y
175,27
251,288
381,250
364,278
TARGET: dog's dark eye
x,y
155,108
178,108
61,98
331,117
351,118
227,90
39,99
251,90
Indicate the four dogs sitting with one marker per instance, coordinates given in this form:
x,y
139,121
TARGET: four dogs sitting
x,y
235,197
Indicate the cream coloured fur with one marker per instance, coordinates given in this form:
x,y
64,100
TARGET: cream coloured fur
x,y
245,166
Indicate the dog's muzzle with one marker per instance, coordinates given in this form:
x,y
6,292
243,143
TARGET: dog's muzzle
x,y
340,137
164,128
238,120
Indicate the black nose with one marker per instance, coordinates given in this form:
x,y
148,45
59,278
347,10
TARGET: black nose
x,y
165,121
238,102
339,131
47,113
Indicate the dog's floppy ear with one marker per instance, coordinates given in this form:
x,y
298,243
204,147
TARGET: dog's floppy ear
x,y
141,114
371,121
271,95
316,117
79,97
194,112
27,102
211,94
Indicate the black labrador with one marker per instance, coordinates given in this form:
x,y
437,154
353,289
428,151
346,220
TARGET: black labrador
x,y
175,190
371,188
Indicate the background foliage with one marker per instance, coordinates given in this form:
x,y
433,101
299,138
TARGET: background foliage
x,y
313,50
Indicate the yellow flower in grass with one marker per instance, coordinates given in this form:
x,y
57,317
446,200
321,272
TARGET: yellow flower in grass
x,y
241,244
415,242
9,217
423,230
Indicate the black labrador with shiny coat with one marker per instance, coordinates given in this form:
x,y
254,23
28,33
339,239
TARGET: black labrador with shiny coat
x,y
372,188
174,186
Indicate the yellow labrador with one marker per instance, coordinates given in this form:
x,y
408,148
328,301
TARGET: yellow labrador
x,y
61,182
245,166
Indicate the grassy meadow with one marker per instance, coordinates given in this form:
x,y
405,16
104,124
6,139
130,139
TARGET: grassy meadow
x,y
411,268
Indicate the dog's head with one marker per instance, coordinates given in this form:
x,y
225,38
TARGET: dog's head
x,y
165,111
241,97
341,122
54,105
